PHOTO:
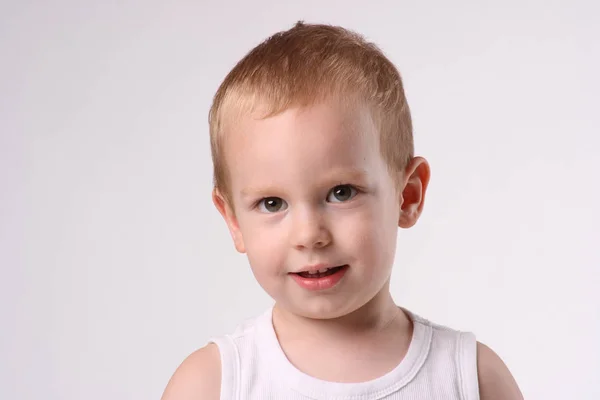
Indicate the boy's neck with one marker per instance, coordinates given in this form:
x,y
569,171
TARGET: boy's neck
x,y
369,342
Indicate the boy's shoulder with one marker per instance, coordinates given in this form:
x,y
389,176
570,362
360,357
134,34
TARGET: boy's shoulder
x,y
198,376
495,380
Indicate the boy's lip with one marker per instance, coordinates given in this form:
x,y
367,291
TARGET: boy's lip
x,y
313,268
320,282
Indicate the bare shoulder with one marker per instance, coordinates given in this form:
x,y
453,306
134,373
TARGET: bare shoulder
x,y
495,380
198,376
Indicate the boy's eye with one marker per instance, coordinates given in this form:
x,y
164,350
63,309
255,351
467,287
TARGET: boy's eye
x,y
272,205
341,193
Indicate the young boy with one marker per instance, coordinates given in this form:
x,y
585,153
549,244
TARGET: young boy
x,y
314,172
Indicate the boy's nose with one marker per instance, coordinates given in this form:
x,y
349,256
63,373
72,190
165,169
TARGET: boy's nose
x,y
309,231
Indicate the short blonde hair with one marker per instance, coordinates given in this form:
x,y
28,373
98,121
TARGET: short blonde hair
x,y
302,66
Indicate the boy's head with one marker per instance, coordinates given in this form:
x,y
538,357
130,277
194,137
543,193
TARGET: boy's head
x,y
306,65
314,169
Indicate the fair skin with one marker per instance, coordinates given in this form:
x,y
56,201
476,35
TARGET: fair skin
x,y
309,187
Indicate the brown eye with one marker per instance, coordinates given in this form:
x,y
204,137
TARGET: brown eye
x,y
272,205
341,193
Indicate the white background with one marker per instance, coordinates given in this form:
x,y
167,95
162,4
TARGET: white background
x,y
115,265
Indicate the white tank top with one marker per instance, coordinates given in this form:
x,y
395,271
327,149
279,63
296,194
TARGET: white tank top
x,y
441,363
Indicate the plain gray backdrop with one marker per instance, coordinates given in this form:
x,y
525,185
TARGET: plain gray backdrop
x,y
115,265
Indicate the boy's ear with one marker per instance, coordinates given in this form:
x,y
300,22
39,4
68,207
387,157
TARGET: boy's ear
x,y
229,216
412,198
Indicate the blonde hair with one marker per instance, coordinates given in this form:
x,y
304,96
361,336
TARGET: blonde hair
x,y
302,66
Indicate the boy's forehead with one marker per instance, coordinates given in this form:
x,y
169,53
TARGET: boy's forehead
x,y
317,127
323,139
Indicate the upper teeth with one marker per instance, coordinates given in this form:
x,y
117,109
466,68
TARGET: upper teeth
x,y
319,271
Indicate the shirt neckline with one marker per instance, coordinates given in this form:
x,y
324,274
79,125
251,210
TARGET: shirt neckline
x,y
291,377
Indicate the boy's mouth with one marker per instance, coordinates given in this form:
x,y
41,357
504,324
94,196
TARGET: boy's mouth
x,y
320,273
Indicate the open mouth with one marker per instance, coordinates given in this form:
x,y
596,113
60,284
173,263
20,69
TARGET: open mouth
x,y
321,273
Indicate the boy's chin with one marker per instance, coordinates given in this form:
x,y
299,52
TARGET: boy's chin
x,y
326,311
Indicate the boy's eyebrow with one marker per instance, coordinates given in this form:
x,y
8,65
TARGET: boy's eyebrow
x,y
345,175
258,192
334,177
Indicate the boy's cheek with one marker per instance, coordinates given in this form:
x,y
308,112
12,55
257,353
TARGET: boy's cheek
x,y
264,243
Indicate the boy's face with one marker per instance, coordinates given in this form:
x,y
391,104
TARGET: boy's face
x,y
310,190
